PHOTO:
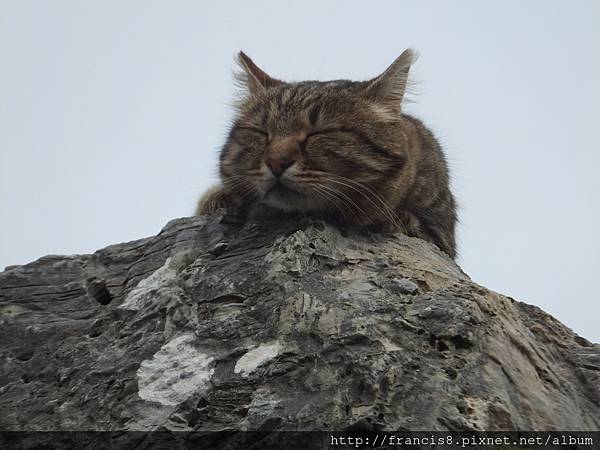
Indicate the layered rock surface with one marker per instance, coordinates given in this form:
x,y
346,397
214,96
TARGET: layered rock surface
x,y
214,324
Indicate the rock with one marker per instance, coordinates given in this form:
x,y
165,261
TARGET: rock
x,y
215,324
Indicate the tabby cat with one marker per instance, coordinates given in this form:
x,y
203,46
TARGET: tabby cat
x,y
341,151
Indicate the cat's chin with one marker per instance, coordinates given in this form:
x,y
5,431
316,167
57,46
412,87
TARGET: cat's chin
x,y
287,199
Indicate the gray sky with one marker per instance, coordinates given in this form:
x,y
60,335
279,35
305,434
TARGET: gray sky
x,y
112,114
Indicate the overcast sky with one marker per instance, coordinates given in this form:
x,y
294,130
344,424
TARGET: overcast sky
x,y
112,114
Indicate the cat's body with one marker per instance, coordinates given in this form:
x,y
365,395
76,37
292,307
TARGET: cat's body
x,y
341,151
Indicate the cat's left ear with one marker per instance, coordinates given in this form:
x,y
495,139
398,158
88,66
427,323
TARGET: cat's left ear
x,y
253,77
390,86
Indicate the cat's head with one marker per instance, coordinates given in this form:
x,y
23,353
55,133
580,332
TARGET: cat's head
x,y
318,145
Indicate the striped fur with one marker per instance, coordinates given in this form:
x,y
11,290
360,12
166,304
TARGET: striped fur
x,y
357,160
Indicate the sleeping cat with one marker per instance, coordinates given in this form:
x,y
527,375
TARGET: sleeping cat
x,y
341,151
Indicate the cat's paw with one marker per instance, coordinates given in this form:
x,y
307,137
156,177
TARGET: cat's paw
x,y
213,201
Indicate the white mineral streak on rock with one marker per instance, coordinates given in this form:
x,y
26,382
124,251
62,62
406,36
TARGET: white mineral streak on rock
x,y
175,372
264,403
256,357
389,346
161,276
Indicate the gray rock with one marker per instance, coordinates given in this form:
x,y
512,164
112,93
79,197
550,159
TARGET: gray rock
x,y
215,324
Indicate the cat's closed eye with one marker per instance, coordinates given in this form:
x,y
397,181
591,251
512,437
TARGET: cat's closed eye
x,y
328,131
254,130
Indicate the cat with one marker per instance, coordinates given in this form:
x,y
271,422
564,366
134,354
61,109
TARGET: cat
x,y
342,151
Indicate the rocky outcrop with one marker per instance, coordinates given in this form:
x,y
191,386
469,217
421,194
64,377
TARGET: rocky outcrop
x,y
214,324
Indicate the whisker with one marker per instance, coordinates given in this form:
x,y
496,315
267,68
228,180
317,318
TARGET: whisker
x,y
386,210
347,201
329,199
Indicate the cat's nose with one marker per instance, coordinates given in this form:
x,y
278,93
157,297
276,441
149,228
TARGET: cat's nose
x,y
279,165
282,153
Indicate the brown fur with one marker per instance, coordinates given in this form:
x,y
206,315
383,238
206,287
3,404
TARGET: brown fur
x,y
337,150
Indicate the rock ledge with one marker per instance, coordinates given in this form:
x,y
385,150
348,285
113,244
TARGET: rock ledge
x,y
216,325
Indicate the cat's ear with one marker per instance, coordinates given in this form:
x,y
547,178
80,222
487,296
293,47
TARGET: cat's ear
x,y
390,86
252,76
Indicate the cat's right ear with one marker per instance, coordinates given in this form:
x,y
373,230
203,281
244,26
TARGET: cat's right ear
x,y
253,77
